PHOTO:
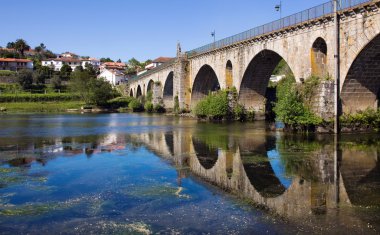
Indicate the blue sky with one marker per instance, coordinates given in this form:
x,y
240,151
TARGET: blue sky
x,y
134,28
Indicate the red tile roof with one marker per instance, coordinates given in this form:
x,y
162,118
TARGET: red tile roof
x,y
14,60
162,59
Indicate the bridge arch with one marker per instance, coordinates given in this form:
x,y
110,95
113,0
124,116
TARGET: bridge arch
x,y
361,85
229,74
131,93
206,81
318,57
138,92
150,85
253,88
168,91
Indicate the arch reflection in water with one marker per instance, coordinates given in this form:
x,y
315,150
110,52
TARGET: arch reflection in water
x,y
206,154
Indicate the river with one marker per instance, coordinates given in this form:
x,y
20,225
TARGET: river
x,y
148,174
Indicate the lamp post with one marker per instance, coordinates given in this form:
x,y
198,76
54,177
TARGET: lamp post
x,y
279,8
213,35
337,69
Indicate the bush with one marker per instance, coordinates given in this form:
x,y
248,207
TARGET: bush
x,y
10,87
290,108
135,106
56,82
176,105
368,117
119,102
158,108
7,73
240,112
214,106
25,78
148,107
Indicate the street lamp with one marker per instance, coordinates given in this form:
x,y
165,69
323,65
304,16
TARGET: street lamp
x,y
213,35
279,8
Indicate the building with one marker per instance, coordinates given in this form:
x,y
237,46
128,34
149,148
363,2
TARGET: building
x,y
15,64
57,63
112,66
93,61
157,62
113,76
69,55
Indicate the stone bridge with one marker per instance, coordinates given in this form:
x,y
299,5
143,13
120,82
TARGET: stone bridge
x,y
246,61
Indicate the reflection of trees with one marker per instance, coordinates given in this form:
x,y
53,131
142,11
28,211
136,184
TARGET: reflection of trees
x,y
298,155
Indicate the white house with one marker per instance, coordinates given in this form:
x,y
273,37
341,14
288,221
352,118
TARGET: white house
x,y
15,64
57,63
95,62
113,76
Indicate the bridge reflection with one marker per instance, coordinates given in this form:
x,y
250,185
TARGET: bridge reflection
x,y
293,177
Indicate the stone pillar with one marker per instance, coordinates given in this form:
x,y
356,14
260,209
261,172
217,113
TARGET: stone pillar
x,y
323,100
157,94
180,80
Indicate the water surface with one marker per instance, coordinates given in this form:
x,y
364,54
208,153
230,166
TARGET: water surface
x,y
142,174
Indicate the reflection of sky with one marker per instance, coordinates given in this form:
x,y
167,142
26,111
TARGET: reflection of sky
x,y
278,167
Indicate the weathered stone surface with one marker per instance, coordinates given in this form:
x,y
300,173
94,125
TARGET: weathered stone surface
x,y
308,49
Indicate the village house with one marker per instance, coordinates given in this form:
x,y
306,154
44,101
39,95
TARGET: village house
x,y
57,63
113,66
157,62
15,64
113,76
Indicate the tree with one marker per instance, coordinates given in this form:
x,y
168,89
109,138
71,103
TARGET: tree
x,y
10,45
118,61
90,69
20,45
40,48
56,82
25,78
65,72
79,68
106,60
39,76
79,83
101,92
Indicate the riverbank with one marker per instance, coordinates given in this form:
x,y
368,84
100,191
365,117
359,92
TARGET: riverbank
x,y
41,107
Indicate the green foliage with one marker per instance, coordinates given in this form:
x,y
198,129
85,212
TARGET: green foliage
x,y
135,106
158,108
65,72
41,74
290,108
25,78
7,73
21,45
92,90
214,106
106,60
56,82
148,107
308,89
176,104
119,102
34,106
100,91
282,68
240,113
149,96
50,97
10,87
368,117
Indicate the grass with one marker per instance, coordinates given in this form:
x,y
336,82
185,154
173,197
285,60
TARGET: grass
x,y
37,107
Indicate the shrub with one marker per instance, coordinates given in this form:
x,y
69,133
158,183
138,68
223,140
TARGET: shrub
x,y
119,102
56,82
148,107
240,112
176,104
158,108
368,117
135,106
7,73
25,78
290,108
214,106
149,96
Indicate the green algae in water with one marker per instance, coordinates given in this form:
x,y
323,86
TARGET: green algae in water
x,y
157,191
